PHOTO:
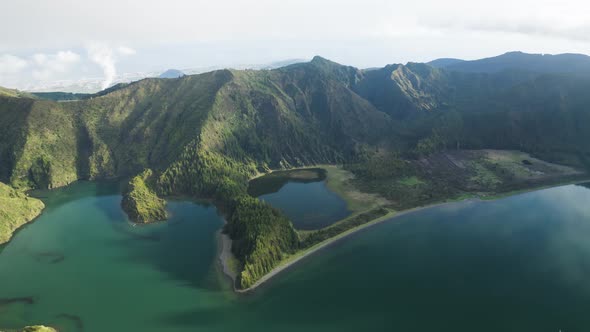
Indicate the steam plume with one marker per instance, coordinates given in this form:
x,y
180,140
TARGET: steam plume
x,y
103,56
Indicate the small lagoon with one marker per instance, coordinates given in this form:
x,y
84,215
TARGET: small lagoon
x,y
303,196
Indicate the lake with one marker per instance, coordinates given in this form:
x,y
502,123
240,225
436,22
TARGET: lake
x,y
517,264
303,196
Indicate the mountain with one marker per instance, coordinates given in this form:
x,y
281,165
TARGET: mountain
x,y
205,135
278,64
538,63
444,62
202,135
171,73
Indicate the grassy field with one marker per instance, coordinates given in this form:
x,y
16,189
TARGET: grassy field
x,y
339,181
447,175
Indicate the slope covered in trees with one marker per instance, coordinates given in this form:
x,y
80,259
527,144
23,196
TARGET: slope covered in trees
x,y
206,135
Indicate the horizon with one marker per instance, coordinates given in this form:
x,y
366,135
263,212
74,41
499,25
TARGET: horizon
x,y
71,41
129,77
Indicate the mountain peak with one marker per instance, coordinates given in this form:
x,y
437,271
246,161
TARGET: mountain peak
x,y
172,73
318,60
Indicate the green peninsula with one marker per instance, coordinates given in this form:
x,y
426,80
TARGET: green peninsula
x,y
16,209
141,203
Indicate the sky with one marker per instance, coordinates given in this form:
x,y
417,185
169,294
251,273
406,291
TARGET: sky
x,y
47,41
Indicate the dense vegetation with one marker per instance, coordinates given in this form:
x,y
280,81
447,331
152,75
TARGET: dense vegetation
x,y
16,209
206,135
141,203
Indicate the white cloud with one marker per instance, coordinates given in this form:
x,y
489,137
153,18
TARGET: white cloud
x,y
10,64
47,65
580,31
68,57
124,50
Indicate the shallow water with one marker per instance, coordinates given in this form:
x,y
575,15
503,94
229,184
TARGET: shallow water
x,y
516,264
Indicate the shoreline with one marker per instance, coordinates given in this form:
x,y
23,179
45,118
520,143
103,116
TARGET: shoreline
x,y
299,256
224,255
20,227
391,216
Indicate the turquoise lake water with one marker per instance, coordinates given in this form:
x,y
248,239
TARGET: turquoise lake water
x,y
517,264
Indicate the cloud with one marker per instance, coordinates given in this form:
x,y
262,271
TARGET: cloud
x,y
530,27
47,65
10,64
124,50
106,57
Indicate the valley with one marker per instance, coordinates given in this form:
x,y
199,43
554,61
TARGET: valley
x,y
280,166
403,136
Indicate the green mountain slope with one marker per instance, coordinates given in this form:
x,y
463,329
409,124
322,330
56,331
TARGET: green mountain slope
x,y
206,135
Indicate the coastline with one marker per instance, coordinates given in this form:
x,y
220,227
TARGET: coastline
x,y
391,216
224,256
299,256
13,232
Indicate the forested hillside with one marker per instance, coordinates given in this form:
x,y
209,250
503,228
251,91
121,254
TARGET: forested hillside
x,y
206,135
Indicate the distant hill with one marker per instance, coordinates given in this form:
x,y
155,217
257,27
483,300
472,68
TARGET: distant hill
x,y
444,62
539,63
171,73
279,64
13,93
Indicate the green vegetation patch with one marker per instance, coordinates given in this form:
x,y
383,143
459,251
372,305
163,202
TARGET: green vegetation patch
x,y
141,203
16,209
410,181
484,176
